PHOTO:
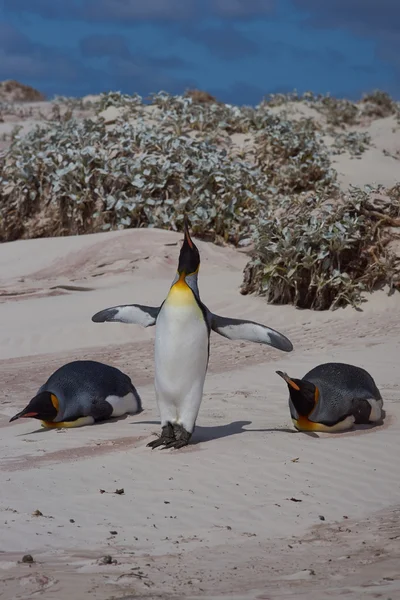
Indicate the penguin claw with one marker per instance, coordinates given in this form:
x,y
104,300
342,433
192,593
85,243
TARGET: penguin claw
x,y
180,444
170,444
182,436
156,443
167,437
176,444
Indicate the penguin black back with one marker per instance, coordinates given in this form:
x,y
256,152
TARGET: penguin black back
x,y
88,376
343,376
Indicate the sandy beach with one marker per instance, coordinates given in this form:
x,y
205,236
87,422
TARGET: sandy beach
x,y
251,508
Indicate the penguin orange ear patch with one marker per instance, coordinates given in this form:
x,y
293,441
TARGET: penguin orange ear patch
x,y
54,401
286,377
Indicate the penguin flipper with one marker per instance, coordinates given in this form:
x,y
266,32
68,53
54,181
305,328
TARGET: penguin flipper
x,y
239,329
129,313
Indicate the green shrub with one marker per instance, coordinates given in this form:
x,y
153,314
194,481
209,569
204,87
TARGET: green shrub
x,y
322,254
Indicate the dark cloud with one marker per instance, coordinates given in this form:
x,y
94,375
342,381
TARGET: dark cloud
x,y
368,69
56,72
243,8
144,76
360,16
48,9
134,10
128,10
240,93
103,45
378,21
96,46
327,56
224,42
12,40
21,58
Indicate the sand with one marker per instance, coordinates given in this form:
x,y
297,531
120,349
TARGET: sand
x,y
251,509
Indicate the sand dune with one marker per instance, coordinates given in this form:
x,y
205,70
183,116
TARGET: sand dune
x,y
239,511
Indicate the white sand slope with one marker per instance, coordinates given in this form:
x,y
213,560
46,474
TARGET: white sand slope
x,y
239,511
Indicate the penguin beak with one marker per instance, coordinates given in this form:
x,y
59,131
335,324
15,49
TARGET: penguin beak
x,y
23,414
188,239
189,258
286,377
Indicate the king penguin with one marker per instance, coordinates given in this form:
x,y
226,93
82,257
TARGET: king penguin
x,y
333,397
182,345
81,393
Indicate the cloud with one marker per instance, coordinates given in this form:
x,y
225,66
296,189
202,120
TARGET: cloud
x,y
48,9
128,10
145,75
330,57
243,8
134,10
56,72
240,93
21,58
96,46
360,16
378,21
224,42
103,45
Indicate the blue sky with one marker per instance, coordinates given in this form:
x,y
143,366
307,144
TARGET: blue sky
x,y
239,50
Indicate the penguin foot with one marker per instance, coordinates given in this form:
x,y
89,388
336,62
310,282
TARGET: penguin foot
x,y
167,437
182,438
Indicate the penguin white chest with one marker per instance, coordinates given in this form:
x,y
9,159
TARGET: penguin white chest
x,y
181,354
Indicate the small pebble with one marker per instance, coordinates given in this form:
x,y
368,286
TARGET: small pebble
x,y
28,558
321,518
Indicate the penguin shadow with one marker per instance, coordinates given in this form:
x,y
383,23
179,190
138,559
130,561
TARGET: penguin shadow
x,y
96,424
206,434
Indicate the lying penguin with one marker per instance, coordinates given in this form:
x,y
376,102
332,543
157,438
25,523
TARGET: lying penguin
x,y
333,397
81,393
182,343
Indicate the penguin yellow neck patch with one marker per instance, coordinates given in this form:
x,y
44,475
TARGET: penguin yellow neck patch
x,y
80,422
304,424
55,425
180,293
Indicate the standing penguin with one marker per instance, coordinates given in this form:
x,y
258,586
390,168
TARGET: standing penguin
x,y
80,393
332,397
182,341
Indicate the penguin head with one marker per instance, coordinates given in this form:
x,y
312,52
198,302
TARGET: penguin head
x,y
44,406
189,257
303,394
